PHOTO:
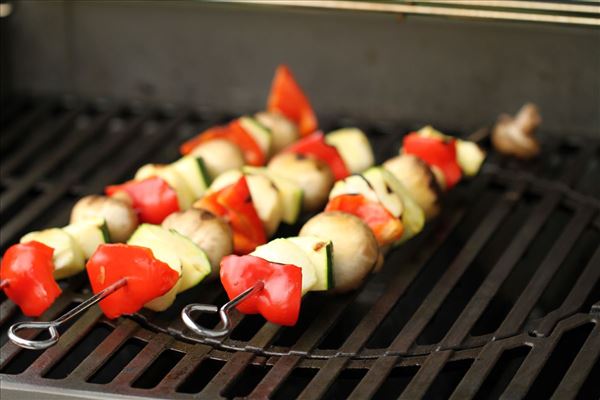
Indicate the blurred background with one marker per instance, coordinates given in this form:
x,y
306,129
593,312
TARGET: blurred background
x,y
459,73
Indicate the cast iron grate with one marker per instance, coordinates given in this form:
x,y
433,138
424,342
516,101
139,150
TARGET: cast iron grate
x,y
495,297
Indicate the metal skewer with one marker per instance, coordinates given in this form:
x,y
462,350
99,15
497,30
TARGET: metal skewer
x,y
223,313
52,325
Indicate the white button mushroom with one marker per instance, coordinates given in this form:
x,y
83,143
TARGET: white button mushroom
x,y
418,179
209,232
313,176
284,132
120,217
355,249
219,155
516,136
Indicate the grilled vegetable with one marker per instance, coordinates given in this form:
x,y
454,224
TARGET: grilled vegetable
x,y
314,145
416,176
283,251
468,154
287,98
194,173
386,228
435,152
27,269
219,155
320,252
119,215
209,232
354,148
261,134
355,249
148,279
149,238
194,263
265,197
516,136
290,194
67,258
388,187
354,184
185,195
89,235
279,300
311,175
236,134
152,198
283,131
234,204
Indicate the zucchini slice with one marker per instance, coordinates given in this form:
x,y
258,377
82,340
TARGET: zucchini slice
x,y
68,257
290,193
147,235
284,251
89,234
185,197
354,148
260,134
193,171
320,252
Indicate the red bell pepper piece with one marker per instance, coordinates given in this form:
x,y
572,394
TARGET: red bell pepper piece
x,y
152,198
386,228
235,133
147,278
279,300
287,98
27,269
438,152
234,203
316,146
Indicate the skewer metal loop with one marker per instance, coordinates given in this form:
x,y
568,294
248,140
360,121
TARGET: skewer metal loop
x,y
223,313
52,325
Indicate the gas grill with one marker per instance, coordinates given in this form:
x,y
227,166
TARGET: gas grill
x,y
498,297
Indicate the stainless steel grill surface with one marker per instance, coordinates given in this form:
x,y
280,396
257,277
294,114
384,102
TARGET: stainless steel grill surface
x,y
499,295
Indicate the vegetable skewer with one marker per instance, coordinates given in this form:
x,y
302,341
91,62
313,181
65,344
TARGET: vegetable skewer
x,y
366,214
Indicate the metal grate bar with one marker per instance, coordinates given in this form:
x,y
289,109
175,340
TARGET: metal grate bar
x,y
183,368
7,309
51,134
581,366
544,274
369,324
10,350
226,376
41,204
25,124
74,334
317,330
434,300
499,272
142,360
476,375
577,296
532,365
64,152
8,111
459,265
104,351
422,381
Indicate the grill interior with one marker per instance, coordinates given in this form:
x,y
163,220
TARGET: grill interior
x,y
500,294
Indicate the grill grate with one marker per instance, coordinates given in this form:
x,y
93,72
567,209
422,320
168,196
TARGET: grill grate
x,y
495,296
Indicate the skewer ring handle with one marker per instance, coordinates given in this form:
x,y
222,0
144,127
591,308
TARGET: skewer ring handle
x,y
31,343
186,313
